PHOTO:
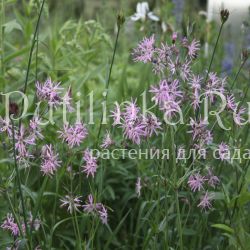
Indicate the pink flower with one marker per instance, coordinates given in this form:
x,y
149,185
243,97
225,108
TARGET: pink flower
x,y
67,100
74,135
224,152
10,225
205,201
49,91
131,111
152,125
212,179
134,131
138,187
200,133
193,48
5,126
196,87
103,214
71,202
50,162
196,182
214,84
238,119
116,114
96,208
145,50
107,141
35,129
89,206
231,102
90,166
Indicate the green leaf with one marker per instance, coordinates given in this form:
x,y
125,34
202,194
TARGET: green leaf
x,y
223,227
12,25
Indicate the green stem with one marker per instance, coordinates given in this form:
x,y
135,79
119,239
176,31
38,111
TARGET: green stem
x,y
108,80
236,77
30,54
217,41
2,37
179,226
19,182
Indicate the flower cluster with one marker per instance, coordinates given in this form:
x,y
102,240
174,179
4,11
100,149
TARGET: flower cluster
x,y
135,125
197,182
96,208
74,135
90,166
50,161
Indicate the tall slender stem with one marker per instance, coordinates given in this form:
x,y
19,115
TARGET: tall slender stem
x,y
30,54
175,173
2,37
108,79
19,180
212,58
236,77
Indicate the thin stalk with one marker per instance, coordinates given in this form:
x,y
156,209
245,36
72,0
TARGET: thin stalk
x,y
216,44
210,64
30,54
2,37
108,80
236,77
179,226
19,181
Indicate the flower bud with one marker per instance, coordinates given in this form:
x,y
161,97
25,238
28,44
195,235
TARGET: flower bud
x,y
244,55
120,19
224,14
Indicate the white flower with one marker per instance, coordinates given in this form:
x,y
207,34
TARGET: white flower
x,y
142,12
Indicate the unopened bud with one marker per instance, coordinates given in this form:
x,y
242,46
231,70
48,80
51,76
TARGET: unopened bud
x,y
120,19
174,37
13,109
244,55
224,14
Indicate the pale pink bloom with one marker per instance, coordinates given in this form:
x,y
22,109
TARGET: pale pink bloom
x,y
10,225
103,214
212,179
145,50
238,119
90,206
5,126
214,84
152,125
185,70
96,208
200,132
224,152
196,87
50,162
131,111
49,91
67,100
74,135
161,58
35,128
107,141
134,131
116,115
231,102
174,36
138,187
196,182
193,48
90,166
205,201
73,203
